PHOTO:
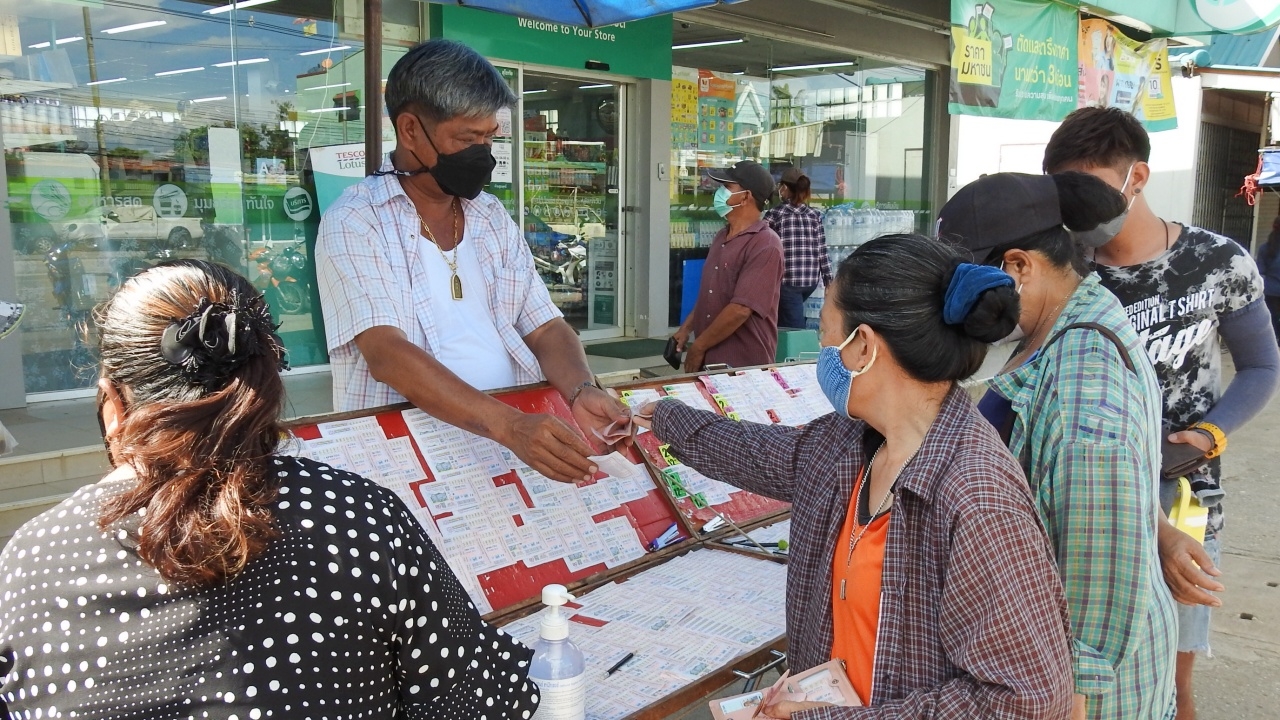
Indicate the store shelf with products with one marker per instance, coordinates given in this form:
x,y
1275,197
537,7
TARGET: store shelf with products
x,y
23,140
849,225
554,162
27,121
12,86
541,176
694,228
570,196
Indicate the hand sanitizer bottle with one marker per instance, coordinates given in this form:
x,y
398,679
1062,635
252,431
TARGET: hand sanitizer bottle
x,y
558,666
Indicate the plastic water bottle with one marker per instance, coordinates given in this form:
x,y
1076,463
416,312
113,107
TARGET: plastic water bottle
x,y
558,666
829,225
843,222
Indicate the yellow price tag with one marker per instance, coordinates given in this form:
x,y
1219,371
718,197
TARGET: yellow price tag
x,y
971,58
666,455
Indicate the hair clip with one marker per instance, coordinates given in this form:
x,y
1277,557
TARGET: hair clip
x,y
171,347
204,356
230,320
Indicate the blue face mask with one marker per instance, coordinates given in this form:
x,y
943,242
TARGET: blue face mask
x,y
834,378
720,201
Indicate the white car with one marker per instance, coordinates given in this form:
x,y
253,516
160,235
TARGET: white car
x,y
130,225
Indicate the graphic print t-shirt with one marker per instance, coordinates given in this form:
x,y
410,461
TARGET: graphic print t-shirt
x,y
1175,303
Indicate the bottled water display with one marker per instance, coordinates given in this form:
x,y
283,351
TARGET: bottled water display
x,y
849,225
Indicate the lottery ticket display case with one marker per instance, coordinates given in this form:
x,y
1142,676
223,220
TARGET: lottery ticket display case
x,y
682,571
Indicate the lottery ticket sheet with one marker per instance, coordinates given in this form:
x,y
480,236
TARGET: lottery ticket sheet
x,y
682,619
786,394
480,521
772,533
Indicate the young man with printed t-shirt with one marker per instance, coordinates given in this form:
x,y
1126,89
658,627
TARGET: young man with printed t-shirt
x,y
1182,287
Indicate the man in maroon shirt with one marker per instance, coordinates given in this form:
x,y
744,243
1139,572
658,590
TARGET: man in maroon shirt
x,y
735,320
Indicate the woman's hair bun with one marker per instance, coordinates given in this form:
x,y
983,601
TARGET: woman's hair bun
x,y
1086,201
936,312
994,315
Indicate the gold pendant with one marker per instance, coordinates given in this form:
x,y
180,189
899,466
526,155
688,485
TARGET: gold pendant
x,y
457,287
842,589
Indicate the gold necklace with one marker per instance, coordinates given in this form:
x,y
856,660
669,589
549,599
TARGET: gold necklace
x,y
455,282
857,503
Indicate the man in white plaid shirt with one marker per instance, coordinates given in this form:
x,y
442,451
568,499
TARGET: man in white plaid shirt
x,y
428,287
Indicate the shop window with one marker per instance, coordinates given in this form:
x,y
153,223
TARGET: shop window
x,y
135,134
855,126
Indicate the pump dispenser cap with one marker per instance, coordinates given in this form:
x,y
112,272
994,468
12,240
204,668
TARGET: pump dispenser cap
x,y
555,626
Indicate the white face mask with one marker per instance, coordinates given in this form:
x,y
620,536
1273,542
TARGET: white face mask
x,y
1018,333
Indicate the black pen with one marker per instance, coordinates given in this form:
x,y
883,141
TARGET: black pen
x,y
618,665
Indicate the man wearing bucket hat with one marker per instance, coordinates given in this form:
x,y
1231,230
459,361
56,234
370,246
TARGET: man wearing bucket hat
x,y
735,320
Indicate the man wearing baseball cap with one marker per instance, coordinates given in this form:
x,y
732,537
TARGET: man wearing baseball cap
x,y
735,320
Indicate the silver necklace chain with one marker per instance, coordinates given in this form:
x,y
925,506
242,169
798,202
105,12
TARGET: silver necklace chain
x,y
857,500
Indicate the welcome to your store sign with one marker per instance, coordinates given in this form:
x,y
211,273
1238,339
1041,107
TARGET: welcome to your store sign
x,y
640,48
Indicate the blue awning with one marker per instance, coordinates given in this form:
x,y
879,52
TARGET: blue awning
x,y
591,13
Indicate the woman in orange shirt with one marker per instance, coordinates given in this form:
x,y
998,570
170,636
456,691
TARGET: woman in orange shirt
x,y
916,555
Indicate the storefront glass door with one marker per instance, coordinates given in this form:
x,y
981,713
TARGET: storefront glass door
x,y
571,160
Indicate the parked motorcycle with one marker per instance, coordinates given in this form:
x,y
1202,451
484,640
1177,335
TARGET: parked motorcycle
x,y
565,273
284,278
81,280
225,245
75,287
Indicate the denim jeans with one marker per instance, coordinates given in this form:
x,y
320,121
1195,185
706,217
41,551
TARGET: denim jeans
x,y
1273,304
791,305
1193,620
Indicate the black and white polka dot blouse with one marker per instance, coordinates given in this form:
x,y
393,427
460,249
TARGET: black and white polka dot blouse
x,y
350,613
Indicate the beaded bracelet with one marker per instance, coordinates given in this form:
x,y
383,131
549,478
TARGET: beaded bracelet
x,y
573,397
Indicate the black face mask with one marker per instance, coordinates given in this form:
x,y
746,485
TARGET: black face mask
x,y
466,172
463,173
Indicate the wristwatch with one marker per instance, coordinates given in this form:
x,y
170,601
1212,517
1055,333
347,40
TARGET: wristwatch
x,y
1215,433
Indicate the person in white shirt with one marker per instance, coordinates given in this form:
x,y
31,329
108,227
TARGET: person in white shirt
x,y
428,287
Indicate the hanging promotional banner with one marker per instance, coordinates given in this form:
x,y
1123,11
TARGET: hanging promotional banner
x,y
336,168
1013,59
1117,71
684,107
716,102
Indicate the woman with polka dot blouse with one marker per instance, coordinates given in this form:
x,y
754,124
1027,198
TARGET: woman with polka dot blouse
x,y
207,577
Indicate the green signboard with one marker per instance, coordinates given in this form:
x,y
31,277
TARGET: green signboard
x,y
1238,16
1013,59
1191,17
640,48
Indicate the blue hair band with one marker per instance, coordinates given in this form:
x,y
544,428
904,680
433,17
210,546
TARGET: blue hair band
x,y
967,285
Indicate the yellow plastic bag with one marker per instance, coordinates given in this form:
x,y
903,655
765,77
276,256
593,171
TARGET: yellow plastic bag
x,y
1187,515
